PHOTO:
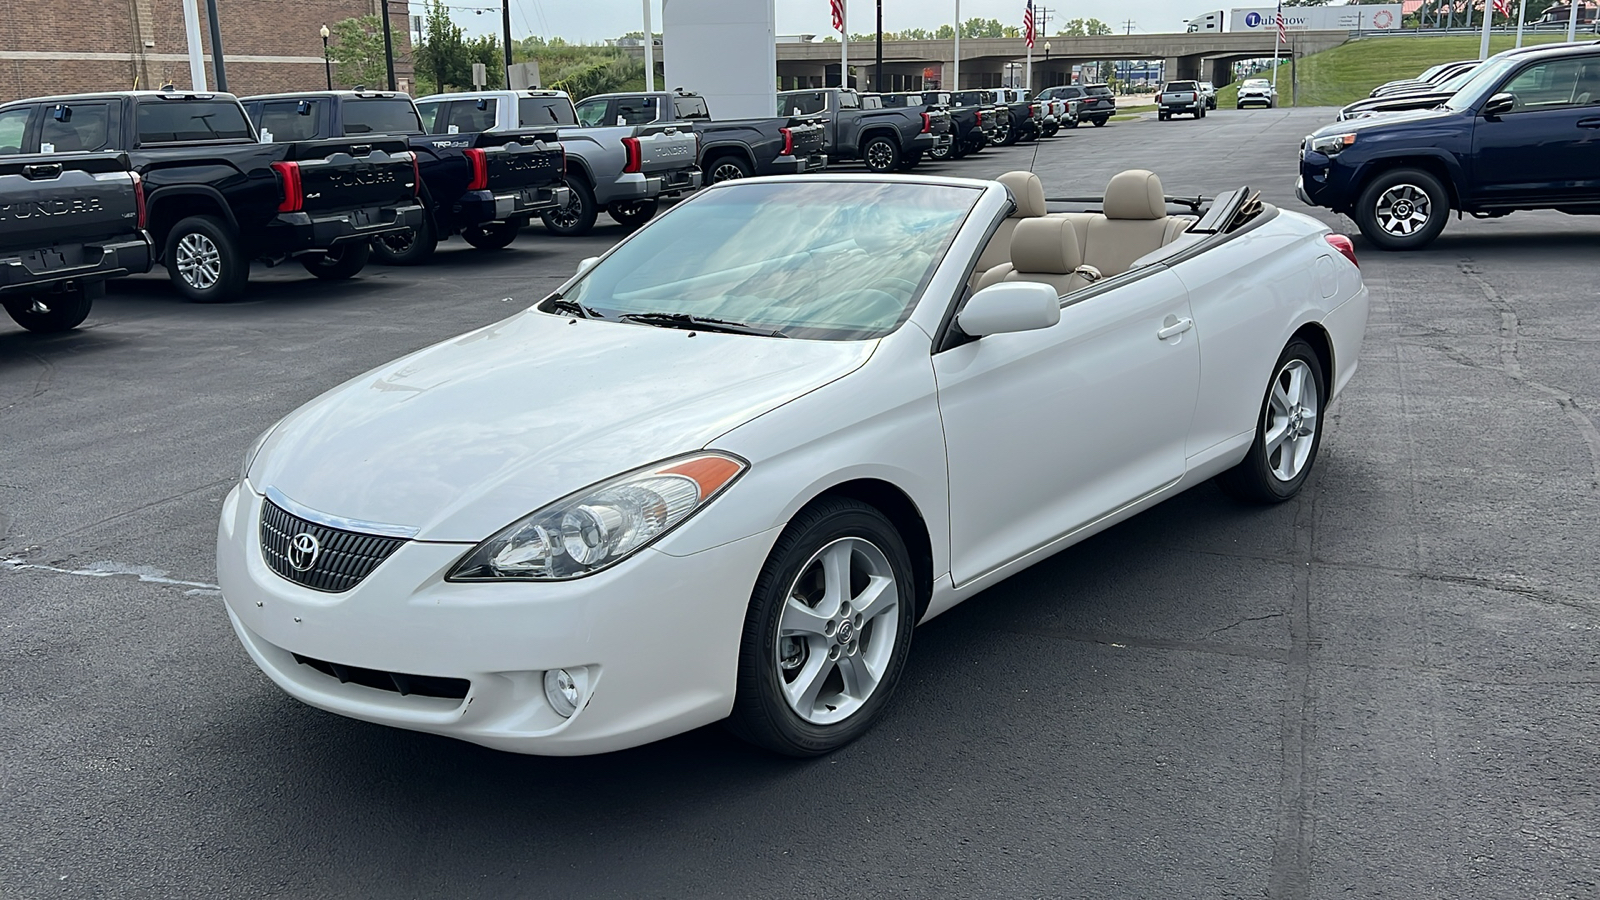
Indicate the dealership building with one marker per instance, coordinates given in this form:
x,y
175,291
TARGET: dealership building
x,y
51,47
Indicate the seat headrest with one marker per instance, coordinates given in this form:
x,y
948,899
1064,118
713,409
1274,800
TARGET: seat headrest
x,y
1135,194
1046,247
1028,191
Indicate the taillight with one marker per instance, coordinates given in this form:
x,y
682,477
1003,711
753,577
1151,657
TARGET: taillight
x,y
416,176
479,161
788,142
289,179
138,199
1342,244
927,123
980,118
635,156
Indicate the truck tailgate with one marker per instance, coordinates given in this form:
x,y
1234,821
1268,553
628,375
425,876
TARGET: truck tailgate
x,y
809,137
65,198
665,148
522,159
344,175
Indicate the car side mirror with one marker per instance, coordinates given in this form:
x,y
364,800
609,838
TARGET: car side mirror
x,y
1500,104
304,108
587,264
482,104
62,113
1010,306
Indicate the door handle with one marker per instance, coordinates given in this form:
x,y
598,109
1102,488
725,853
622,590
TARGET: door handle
x,y
1589,123
1174,326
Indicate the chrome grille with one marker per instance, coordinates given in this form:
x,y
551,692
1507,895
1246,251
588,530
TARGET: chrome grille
x,y
344,557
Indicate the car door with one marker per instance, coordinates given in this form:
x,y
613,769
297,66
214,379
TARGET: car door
x,y
1050,430
1547,148
14,136
634,111
75,127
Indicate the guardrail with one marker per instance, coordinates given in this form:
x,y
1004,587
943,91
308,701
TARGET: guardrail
x,y
1584,31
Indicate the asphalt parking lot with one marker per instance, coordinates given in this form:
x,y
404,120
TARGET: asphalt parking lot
x,y
1386,688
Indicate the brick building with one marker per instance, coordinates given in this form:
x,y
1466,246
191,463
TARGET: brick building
x,y
58,47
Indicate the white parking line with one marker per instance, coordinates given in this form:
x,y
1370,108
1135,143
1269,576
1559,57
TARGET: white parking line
x,y
148,574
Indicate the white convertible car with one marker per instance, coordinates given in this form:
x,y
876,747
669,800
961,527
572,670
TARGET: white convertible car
x,y
723,470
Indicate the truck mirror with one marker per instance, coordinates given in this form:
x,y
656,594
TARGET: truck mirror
x,y
304,108
62,114
482,104
1500,104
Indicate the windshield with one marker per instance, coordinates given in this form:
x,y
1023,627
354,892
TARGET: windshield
x,y
1457,83
380,117
171,121
1256,83
833,261
1483,80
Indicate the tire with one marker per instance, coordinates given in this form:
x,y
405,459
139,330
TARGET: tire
x,y
1073,124
1397,192
204,261
411,247
340,262
1100,123
946,152
978,146
1274,473
55,311
910,161
1162,116
726,168
492,237
632,216
763,711
577,218
881,154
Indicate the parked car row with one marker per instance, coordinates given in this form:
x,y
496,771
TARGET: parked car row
x,y
1519,131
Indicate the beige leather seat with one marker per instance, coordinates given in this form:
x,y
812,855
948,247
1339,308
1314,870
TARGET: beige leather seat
x,y
1043,250
1134,223
1028,191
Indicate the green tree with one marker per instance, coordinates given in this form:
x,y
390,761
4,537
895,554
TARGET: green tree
x,y
486,50
945,33
356,48
443,57
1082,27
982,28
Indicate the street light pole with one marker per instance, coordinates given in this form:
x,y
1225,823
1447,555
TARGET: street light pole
x,y
327,67
505,23
388,45
216,46
649,50
956,81
877,74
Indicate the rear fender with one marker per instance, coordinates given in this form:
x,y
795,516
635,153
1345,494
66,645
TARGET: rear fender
x,y
167,205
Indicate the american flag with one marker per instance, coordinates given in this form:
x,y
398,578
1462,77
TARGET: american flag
x,y
1503,7
1027,24
838,15
1283,29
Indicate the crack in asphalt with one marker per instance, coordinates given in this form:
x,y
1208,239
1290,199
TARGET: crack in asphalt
x,y
1511,364
147,574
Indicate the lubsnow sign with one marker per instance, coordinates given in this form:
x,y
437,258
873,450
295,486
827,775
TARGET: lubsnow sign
x,y
1319,18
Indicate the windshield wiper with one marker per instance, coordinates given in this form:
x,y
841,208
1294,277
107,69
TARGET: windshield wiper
x,y
565,307
701,323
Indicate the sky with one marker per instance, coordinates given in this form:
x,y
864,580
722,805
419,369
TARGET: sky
x,y
592,21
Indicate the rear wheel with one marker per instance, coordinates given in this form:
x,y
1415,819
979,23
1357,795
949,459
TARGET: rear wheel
x,y
951,150
1403,209
827,631
881,154
911,160
1162,116
578,216
55,311
410,247
634,214
1288,433
727,168
203,260
340,262
497,236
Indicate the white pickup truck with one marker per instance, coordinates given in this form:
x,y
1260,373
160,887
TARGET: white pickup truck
x,y
625,170
1178,97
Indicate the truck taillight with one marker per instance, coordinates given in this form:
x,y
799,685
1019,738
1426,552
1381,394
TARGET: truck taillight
x,y
138,199
416,176
788,142
289,179
927,123
479,162
1342,244
635,156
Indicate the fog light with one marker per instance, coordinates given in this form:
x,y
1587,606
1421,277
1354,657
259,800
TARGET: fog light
x,y
565,689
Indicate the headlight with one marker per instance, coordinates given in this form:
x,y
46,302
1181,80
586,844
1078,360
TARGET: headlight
x,y
601,525
1332,144
255,448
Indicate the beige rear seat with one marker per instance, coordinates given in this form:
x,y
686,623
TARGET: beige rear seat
x,y
1135,223
1043,250
1028,191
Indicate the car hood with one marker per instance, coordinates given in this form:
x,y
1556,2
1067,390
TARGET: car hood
x,y
1398,103
463,438
1349,126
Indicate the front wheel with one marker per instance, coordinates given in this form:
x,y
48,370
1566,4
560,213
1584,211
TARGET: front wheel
x,y
1403,209
578,216
338,263
633,215
881,154
491,237
55,311
1288,433
827,631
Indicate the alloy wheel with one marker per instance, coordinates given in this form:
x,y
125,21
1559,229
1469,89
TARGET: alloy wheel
x,y
199,261
1403,210
1290,430
836,634
726,172
399,242
567,216
879,156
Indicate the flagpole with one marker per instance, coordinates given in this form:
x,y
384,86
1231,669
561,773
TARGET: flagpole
x,y
1488,21
1277,40
956,86
1572,20
1522,16
844,46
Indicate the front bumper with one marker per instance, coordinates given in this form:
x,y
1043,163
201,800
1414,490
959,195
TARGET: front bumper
x,y
659,636
298,231
484,207
30,272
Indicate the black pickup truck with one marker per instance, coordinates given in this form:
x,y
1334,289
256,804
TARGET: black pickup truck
x,y
994,117
484,187
886,140
219,198
68,222
729,148
961,124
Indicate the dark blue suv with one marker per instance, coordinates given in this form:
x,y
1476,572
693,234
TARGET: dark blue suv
x,y
1524,133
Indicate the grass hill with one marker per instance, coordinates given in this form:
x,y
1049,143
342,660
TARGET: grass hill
x,y
1350,71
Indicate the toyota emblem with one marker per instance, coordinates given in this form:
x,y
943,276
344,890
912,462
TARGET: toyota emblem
x,y
303,551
